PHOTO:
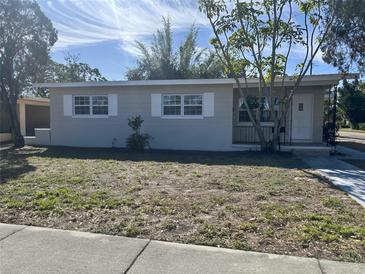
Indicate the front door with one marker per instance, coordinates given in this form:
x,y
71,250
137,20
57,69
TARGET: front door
x,y
302,117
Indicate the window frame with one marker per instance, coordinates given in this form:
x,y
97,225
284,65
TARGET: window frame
x,y
182,114
262,123
90,114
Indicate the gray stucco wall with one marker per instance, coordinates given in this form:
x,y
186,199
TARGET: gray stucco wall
x,y
210,133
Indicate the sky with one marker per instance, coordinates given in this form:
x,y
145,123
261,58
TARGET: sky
x,y
103,33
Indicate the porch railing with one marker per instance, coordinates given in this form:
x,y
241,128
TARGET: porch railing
x,y
247,134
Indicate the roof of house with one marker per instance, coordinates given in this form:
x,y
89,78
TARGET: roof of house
x,y
308,80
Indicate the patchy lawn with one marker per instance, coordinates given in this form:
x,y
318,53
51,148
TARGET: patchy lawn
x,y
249,201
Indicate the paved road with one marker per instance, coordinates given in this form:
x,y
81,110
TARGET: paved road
x,y
25,249
359,136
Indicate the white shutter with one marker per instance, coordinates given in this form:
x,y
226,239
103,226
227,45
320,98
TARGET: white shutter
x,y
113,104
208,104
67,105
156,105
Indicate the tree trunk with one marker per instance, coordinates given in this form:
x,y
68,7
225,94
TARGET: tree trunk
x,y
11,108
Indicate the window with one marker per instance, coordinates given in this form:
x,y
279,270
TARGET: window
x,y
91,105
182,105
82,105
193,105
300,107
100,105
263,106
172,105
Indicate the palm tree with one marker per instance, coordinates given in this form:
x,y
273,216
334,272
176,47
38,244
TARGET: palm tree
x,y
160,61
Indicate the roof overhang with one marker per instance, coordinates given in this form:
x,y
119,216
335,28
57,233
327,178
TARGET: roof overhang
x,y
35,101
309,80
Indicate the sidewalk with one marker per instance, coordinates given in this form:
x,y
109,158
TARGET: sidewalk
x,y
343,175
26,249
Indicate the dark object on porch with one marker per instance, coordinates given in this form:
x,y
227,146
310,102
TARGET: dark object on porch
x,y
329,133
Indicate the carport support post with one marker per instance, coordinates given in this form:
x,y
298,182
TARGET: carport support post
x,y
334,116
22,118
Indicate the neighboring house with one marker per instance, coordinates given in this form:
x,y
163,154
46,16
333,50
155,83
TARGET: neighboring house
x,y
199,114
32,113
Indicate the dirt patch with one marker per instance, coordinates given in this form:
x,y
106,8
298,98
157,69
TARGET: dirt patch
x,y
249,201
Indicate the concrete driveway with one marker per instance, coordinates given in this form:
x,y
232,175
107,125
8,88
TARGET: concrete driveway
x,y
25,249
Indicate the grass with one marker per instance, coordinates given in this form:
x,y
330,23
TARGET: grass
x,y
248,201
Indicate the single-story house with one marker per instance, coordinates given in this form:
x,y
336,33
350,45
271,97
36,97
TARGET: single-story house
x,y
33,112
193,114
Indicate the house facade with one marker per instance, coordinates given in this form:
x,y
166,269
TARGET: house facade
x,y
199,114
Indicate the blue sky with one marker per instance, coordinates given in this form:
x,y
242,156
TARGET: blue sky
x,y
103,32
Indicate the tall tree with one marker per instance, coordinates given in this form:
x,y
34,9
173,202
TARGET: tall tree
x,y
160,61
344,46
255,39
71,71
352,102
26,36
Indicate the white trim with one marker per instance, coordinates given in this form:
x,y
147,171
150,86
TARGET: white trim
x,y
90,115
309,80
156,104
183,117
113,104
67,105
182,105
208,104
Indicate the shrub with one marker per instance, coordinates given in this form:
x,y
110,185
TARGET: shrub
x,y
137,141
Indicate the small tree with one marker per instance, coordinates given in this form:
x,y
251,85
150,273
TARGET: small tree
x,y
255,39
26,36
137,141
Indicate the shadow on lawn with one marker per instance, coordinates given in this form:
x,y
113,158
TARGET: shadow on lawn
x,y
354,145
282,160
13,164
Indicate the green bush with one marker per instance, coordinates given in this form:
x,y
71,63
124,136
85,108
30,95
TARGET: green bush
x,y
137,141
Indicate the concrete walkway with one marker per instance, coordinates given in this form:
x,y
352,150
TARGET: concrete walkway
x,y
345,176
25,249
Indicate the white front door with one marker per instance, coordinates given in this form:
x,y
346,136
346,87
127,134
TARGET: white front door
x,y
302,117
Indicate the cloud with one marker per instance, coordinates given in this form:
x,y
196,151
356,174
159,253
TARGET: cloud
x,y
81,22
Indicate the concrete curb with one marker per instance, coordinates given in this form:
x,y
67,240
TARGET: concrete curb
x,y
27,249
